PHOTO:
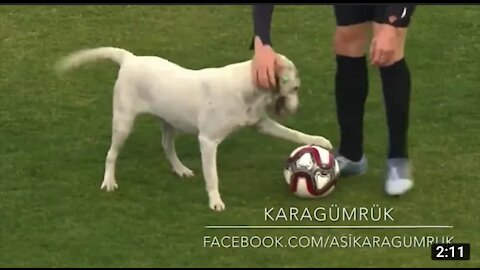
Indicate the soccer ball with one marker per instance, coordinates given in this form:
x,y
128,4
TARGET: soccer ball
x,y
311,172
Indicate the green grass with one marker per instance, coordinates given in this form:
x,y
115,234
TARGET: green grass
x,y
55,132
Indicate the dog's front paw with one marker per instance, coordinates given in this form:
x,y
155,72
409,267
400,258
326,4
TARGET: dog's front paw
x,y
322,142
218,206
216,203
183,172
109,185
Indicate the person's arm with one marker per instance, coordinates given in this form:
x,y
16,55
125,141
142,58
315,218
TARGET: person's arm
x,y
262,21
264,58
384,43
397,14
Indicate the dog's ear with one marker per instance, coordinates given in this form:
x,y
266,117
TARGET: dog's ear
x,y
279,64
278,82
279,67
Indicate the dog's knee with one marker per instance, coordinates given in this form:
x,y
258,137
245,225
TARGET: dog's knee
x,y
264,125
207,142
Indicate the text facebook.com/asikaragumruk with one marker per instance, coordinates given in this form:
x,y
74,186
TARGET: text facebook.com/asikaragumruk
x,y
324,241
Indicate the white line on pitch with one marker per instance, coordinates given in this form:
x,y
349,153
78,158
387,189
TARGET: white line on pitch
x,y
328,227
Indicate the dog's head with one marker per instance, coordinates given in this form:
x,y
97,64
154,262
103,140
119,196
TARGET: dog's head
x,y
287,86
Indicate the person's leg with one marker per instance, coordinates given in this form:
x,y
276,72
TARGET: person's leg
x,y
351,84
396,84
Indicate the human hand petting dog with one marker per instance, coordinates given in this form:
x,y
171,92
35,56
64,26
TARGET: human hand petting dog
x,y
263,65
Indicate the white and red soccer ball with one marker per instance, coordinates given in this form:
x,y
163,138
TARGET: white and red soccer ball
x,y
311,172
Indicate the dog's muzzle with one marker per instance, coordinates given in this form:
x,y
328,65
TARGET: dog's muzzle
x,y
280,106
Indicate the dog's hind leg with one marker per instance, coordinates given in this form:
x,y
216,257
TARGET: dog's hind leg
x,y
168,143
123,119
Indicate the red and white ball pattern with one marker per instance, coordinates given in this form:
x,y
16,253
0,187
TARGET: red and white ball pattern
x,y
311,172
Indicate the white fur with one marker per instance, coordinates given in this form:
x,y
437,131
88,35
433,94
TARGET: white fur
x,y
210,103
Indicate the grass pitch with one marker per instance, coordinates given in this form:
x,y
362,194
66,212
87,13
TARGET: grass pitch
x,y
55,132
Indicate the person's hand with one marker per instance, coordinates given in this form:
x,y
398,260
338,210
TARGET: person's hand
x,y
384,44
263,65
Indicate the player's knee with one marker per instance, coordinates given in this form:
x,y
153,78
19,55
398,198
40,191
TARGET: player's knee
x,y
349,42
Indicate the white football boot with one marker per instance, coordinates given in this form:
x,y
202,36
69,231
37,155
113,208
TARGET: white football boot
x,y
399,177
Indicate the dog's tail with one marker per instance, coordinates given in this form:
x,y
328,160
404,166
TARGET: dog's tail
x,y
78,58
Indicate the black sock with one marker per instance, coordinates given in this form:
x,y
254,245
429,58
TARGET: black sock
x,y
396,91
351,89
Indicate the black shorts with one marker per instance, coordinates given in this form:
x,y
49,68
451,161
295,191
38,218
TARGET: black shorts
x,y
355,14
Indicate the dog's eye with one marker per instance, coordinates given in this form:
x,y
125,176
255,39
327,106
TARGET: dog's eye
x,y
295,89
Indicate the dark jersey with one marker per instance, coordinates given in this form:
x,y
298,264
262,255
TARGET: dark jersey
x,y
397,15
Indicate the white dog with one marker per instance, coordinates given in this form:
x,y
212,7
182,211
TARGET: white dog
x,y
210,103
